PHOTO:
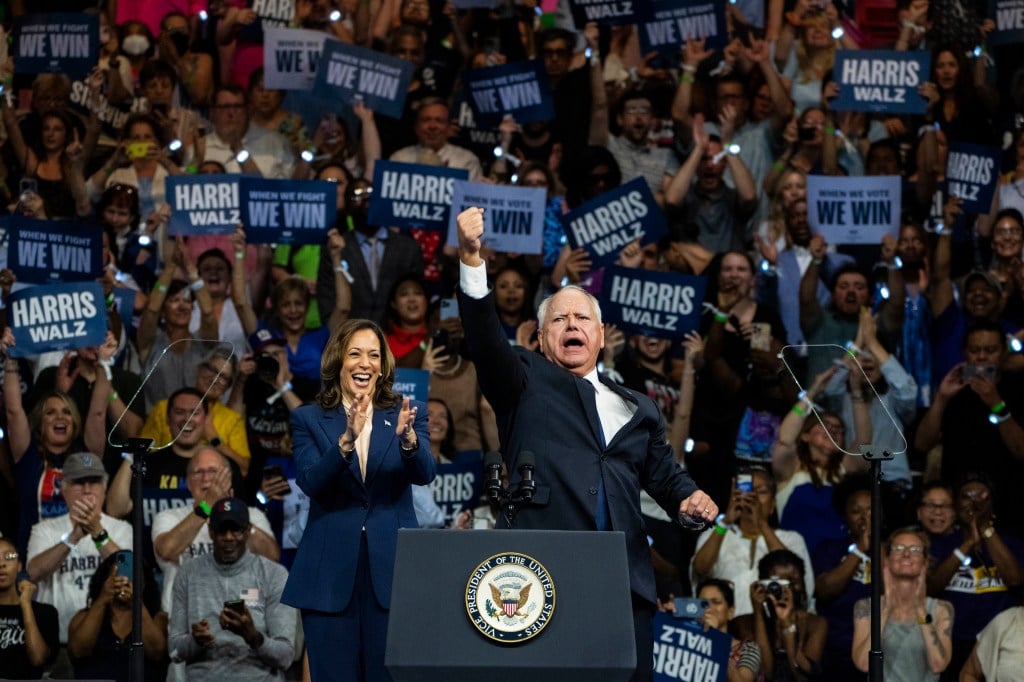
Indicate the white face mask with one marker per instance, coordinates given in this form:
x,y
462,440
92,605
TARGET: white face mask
x,y
134,45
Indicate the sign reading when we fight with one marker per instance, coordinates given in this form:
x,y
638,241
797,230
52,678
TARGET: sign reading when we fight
x,y
290,58
56,317
349,73
971,171
854,210
286,211
1009,18
520,89
608,222
203,204
881,80
412,195
667,24
660,304
41,251
59,43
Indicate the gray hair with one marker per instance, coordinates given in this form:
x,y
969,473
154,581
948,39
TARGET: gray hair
x,y
225,462
542,310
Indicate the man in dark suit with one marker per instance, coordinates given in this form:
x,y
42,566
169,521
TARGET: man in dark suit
x,y
377,257
596,443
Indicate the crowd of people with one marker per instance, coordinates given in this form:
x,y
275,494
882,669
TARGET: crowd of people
x,y
246,362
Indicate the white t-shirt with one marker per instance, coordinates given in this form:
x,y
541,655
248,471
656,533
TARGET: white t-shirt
x,y
68,588
202,543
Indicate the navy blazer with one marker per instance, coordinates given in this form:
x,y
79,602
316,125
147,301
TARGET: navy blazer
x,y
552,413
342,504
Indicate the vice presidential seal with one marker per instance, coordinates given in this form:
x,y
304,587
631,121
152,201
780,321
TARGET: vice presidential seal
x,y
510,598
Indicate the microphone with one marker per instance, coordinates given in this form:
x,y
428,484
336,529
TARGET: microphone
x,y
527,485
492,467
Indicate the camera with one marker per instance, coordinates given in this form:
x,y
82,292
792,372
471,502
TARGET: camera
x,y
267,367
774,586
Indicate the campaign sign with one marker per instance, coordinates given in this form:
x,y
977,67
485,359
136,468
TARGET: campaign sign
x,y
286,211
667,24
666,305
1009,18
269,14
290,58
478,138
513,216
603,12
112,117
458,486
57,43
519,88
684,651
412,195
971,173
125,299
203,204
347,73
414,383
42,251
881,80
854,210
608,222
56,317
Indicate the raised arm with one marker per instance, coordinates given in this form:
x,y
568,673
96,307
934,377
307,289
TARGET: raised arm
x,y
679,187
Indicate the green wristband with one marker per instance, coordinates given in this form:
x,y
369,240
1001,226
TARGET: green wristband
x,y
205,507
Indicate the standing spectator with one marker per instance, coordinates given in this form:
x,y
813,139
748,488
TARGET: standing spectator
x,y
228,621
744,655
838,323
29,639
997,655
240,146
431,128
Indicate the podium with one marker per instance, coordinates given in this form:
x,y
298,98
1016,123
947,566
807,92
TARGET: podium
x,y
589,635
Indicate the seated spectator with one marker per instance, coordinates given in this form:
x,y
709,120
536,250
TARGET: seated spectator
x,y
915,629
744,655
997,655
99,635
29,639
730,550
228,622
63,552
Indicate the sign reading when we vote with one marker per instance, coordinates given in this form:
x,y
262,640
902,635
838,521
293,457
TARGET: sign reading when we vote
x,y
58,43
881,80
513,216
412,195
667,24
520,89
290,58
203,204
608,222
286,211
971,172
1009,18
684,651
660,304
56,317
348,73
41,251
854,210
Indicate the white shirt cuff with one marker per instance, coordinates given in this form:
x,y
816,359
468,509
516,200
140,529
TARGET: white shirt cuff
x,y
473,280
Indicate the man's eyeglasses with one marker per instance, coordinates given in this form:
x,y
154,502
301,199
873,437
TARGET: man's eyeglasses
x,y
224,378
9,556
225,107
907,549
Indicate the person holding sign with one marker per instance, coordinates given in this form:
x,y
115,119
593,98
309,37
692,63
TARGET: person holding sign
x,y
960,105
744,655
612,440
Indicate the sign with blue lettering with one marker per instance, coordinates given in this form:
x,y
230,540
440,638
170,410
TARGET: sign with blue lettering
x,y
478,138
42,251
348,72
203,204
854,210
881,80
290,58
270,14
683,650
607,223
519,88
412,195
1009,18
57,43
287,211
971,173
665,305
414,383
603,12
667,24
458,486
125,298
513,216
56,317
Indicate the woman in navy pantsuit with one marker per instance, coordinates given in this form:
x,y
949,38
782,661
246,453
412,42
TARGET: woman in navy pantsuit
x,y
357,451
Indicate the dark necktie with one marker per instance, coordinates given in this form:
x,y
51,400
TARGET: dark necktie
x,y
602,514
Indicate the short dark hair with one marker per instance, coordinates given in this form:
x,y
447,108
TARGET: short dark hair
x,y
847,487
779,557
1011,213
723,586
187,390
846,269
157,68
981,325
552,34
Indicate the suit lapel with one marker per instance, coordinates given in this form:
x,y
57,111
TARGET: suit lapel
x,y
588,397
381,440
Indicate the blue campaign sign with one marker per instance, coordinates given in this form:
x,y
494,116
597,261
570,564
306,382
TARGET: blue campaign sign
x,y
347,73
603,12
412,195
667,24
684,651
414,383
458,486
286,211
513,216
854,210
608,222
56,317
665,305
881,80
473,135
125,298
971,173
1009,18
57,43
42,251
203,204
519,88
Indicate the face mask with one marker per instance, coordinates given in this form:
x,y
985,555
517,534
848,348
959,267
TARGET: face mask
x,y
134,45
180,40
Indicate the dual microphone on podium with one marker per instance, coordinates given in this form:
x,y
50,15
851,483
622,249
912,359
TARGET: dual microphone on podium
x,y
510,498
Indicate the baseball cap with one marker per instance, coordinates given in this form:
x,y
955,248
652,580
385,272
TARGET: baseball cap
x,y
261,338
985,275
229,510
83,465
